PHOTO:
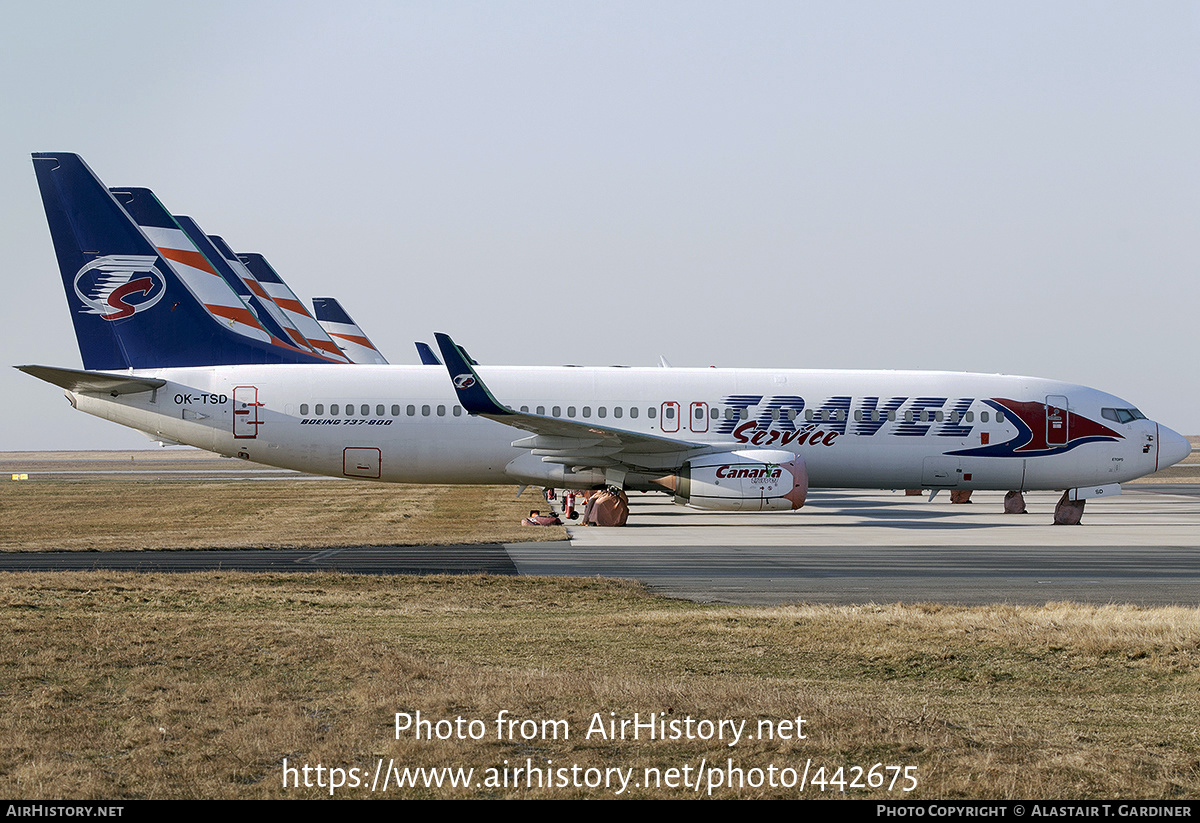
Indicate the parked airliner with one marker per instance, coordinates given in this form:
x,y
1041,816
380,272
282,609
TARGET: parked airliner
x,y
169,348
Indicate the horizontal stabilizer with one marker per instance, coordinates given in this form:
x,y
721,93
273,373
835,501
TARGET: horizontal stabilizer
x,y
90,381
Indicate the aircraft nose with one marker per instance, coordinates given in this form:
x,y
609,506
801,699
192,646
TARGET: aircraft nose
x,y
1172,447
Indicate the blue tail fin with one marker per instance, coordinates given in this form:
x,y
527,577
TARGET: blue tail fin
x,y
352,340
428,358
129,304
291,306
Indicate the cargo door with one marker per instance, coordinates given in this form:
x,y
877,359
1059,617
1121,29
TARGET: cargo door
x,y
940,472
361,462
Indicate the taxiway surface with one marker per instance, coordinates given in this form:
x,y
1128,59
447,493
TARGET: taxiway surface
x,y
1142,547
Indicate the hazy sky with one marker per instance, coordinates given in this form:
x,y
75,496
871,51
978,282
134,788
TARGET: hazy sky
x,y
1007,187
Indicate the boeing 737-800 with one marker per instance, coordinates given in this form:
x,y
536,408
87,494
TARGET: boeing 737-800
x,y
170,349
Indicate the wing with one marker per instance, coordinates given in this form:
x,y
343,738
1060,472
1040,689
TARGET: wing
x,y
567,442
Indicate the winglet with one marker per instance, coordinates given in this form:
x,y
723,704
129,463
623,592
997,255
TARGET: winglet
x,y
428,358
472,393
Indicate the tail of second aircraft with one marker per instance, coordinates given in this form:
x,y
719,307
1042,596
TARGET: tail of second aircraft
x,y
130,308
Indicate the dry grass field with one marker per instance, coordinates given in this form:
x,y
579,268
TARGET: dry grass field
x,y
171,686
303,513
201,685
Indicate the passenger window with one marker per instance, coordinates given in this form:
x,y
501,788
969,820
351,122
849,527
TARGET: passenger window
x,y
617,411
441,411
858,415
458,411
670,412
304,410
395,411
937,415
333,409
425,411
525,409
983,417
715,414
744,414
349,409
587,411
999,417
411,410
633,411
541,410
601,412
320,409
970,417
699,413
651,412
365,410
556,411
379,410
570,411
908,416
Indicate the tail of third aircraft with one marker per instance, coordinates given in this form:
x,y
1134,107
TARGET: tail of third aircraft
x,y
130,308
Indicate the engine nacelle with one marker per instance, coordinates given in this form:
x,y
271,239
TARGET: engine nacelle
x,y
743,481
528,468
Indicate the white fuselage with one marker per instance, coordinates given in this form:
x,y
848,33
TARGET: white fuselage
x,y
854,429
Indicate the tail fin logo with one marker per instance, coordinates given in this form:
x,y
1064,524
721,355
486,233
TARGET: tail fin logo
x,y
464,381
117,286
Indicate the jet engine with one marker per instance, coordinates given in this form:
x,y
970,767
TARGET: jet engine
x,y
742,481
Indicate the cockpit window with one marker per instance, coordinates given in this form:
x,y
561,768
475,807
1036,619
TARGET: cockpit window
x,y
1122,415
